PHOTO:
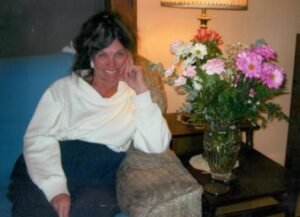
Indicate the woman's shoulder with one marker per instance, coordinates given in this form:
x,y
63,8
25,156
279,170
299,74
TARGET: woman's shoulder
x,y
59,87
63,82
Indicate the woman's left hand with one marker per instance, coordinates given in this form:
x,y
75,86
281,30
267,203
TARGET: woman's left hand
x,y
133,76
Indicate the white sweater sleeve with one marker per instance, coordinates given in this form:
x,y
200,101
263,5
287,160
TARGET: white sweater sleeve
x,y
152,133
41,148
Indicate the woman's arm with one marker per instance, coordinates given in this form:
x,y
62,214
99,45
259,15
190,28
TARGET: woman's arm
x,y
41,148
152,132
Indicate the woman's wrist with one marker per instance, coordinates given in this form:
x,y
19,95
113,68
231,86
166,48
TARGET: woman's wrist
x,y
140,89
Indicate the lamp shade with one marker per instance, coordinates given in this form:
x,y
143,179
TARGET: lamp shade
x,y
207,4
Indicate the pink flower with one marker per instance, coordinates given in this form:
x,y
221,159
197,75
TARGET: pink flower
x,y
249,63
180,81
190,71
272,76
213,66
265,51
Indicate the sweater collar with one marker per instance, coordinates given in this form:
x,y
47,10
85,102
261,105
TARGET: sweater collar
x,y
92,95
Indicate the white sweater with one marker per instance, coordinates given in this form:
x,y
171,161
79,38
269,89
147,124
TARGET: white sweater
x,y
72,110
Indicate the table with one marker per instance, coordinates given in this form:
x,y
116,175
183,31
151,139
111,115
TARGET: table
x,y
257,177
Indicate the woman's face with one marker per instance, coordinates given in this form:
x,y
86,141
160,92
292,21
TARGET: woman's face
x,y
108,62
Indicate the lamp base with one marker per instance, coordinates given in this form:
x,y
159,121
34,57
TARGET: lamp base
x,y
204,18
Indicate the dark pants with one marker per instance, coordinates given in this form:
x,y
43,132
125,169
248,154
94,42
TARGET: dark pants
x,y
90,170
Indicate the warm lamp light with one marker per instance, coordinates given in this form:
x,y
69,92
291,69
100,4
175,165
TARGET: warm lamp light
x,y
206,4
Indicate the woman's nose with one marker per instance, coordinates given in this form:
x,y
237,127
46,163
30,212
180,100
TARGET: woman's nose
x,y
111,62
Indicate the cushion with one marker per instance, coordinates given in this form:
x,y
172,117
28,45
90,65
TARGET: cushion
x,y
5,205
154,82
22,82
157,185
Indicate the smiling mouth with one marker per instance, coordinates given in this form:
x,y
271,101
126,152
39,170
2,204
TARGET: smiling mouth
x,y
111,71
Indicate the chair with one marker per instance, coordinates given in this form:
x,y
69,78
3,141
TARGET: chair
x,y
156,185
148,185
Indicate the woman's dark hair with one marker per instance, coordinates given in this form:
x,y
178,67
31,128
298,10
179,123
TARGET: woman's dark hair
x,y
97,33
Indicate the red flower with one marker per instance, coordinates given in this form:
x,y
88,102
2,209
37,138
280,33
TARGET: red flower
x,y
205,35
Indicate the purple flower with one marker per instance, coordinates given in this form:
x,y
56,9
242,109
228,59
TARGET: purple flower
x,y
180,81
249,63
272,76
265,51
213,66
190,71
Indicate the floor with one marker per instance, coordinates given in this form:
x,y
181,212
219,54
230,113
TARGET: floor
x,y
256,203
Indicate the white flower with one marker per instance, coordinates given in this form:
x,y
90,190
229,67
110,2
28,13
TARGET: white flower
x,y
188,62
175,45
169,71
199,50
184,51
197,83
197,86
181,51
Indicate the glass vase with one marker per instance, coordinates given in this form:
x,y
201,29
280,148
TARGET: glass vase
x,y
221,147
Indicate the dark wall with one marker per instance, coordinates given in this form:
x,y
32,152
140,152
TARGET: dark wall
x,y
32,27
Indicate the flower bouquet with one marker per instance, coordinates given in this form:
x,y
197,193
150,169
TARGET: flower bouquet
x,y
224,90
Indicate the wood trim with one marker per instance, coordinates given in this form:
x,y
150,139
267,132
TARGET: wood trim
x,y
293,144
128,10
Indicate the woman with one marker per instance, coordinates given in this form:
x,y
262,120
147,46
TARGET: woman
x,y
83,125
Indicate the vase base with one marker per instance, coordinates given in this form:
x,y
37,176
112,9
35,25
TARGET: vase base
x,y
227,178
216,188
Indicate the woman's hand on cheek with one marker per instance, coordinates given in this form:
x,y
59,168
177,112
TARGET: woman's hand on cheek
x,y
133,76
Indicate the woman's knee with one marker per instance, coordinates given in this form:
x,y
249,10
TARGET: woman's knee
x,y
95,202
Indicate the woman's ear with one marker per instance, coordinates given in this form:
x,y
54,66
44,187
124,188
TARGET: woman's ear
x,y
92,64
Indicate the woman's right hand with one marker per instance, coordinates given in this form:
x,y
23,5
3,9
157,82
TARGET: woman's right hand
x,y
61,203
133,75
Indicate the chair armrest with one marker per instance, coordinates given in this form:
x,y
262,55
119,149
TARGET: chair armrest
x,y
157,185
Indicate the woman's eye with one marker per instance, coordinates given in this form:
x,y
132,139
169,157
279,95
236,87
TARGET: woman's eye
x,y
121,54
101,55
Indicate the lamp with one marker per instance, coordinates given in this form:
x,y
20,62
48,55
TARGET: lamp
x,y
206,4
